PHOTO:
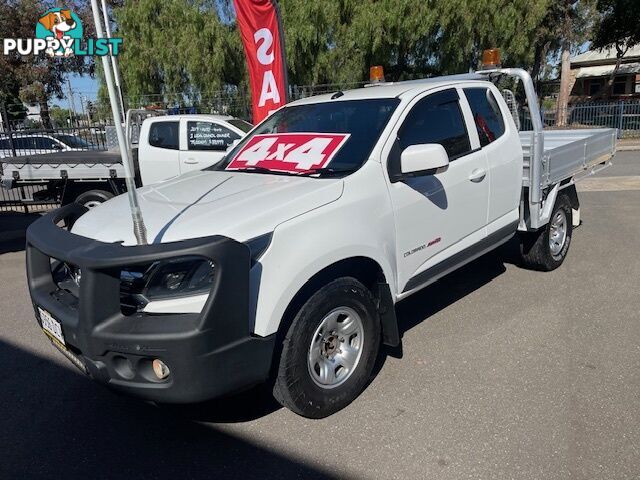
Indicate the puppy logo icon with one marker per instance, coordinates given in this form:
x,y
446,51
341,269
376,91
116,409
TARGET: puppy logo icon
x,y
62,25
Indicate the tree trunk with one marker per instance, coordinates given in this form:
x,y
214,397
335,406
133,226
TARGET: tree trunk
x,y
44,114
607,90
565,87
539,59
608,87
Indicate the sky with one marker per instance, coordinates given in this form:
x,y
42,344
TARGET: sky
x,y
81,85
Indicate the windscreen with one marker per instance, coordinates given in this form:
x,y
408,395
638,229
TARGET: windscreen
x,y
353,125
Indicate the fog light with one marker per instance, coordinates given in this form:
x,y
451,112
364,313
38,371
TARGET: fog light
x,y
160,369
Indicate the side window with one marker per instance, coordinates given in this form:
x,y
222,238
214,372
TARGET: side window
x,y
45,143
437,118
209,136
23,143
164,135
486,114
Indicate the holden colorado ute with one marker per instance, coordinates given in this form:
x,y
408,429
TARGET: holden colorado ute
x,y
284,261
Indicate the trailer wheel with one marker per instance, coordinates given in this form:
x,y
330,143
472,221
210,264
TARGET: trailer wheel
x,y
93,198
330,350
547,248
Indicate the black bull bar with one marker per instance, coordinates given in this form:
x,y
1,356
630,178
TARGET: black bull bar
x,y
209,353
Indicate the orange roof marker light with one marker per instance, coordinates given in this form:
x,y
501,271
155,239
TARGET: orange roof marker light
x,y
376,74
491,58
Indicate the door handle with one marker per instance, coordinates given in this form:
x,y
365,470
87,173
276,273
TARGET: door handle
x,y
191,161
478,175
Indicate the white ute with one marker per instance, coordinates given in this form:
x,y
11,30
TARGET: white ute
x,y
345,204
166,146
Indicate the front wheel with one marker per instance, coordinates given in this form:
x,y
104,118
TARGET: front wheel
x,y
93,198
547,248
330,350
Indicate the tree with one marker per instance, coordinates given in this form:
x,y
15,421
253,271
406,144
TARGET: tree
x,y
193,56
619,27
61,116
567,24
197,54
38,78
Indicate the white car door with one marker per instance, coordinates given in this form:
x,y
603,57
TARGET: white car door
x,y
503,150
205,143
437,215
159,154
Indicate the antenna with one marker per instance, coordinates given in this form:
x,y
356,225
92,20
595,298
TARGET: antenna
x,y
139,229
114,61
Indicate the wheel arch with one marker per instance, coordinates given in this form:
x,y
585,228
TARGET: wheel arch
x,y
364,269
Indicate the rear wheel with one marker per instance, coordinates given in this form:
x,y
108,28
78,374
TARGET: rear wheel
x,y
93,198
547,248
329,351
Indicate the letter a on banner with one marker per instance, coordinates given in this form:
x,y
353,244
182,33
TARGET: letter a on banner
x,y
263,40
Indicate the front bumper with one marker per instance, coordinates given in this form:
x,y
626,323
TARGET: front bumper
x,y
209,354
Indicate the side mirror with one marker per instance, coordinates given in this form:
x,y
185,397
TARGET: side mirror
x,y
423,159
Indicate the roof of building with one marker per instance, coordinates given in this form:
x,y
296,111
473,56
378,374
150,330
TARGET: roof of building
x,y
602,57
607,70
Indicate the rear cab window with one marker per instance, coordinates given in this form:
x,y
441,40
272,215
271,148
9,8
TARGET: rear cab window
x,y
165,135
240,124
486,114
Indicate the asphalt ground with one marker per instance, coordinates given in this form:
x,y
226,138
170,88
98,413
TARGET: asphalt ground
x,y
503,373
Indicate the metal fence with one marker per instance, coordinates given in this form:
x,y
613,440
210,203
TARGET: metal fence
x,y
235,102
25,199
623,115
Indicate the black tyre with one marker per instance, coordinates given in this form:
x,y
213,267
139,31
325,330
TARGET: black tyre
x,y
93,198
330,350
547,248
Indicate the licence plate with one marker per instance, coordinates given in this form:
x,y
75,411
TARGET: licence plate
x,y
51,326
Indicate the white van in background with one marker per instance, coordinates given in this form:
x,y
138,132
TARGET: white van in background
x,y
176,144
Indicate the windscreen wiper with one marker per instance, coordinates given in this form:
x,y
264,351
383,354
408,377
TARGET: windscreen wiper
x,y
253,169
326,171
262,170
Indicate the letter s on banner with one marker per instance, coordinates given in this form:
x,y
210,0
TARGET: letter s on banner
x,y
263,40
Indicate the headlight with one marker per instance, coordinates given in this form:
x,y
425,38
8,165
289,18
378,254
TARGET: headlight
x,y
179,277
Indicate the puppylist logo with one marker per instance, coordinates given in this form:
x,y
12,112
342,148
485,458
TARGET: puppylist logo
x,y
59,34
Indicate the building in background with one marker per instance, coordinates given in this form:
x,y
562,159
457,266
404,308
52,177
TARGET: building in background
x,y
33,113
591,71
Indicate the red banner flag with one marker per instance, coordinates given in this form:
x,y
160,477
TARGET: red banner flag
x,y
263,40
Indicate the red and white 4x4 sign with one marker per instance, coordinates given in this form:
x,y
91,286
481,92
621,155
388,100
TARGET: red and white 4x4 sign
x,y
289,152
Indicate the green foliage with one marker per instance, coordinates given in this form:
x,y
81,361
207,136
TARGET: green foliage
x,y
60,116
190,50
177,48
619,26
35,79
